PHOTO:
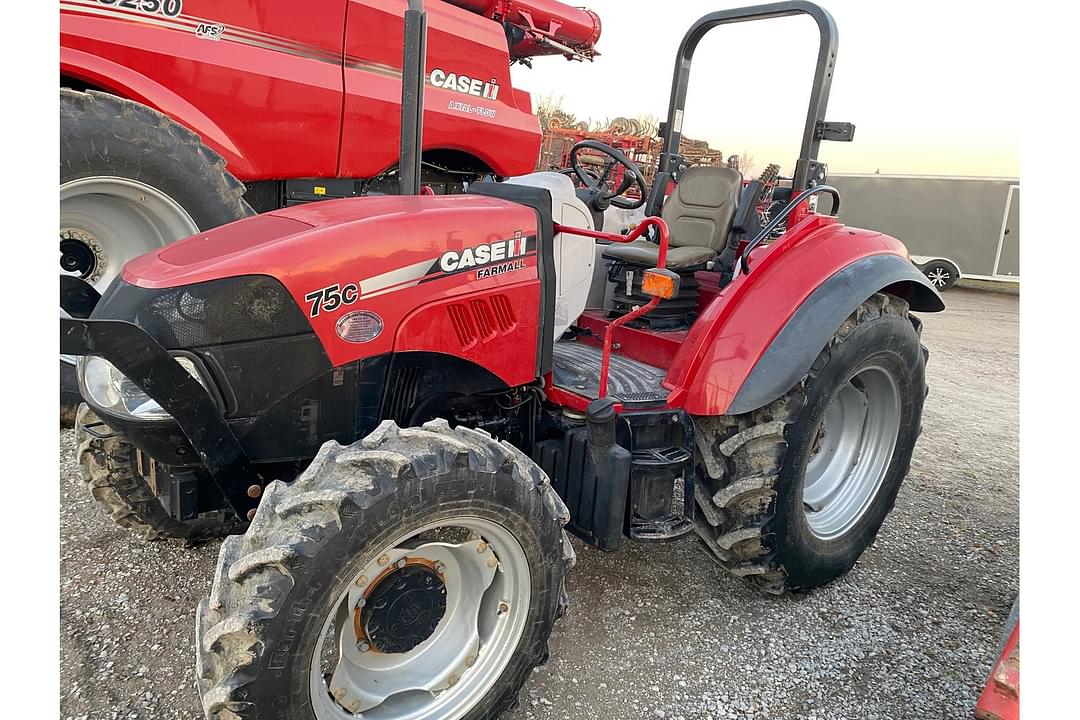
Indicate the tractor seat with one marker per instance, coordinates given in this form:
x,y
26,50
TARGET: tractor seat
x,y
698,215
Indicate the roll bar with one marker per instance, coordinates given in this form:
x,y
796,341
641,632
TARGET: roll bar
x,y
806,168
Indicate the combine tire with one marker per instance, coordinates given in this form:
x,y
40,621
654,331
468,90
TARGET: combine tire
x,y
413,574
131,180
112,470
797,490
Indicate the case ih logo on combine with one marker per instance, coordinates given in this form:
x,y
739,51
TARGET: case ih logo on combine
x,y
465,84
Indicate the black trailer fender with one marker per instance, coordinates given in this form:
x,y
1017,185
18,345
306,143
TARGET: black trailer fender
x,y
792,352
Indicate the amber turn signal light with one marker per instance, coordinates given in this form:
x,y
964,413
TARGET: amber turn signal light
x,y
659,283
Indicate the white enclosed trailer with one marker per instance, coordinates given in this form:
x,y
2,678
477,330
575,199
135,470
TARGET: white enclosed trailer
x,y
952,226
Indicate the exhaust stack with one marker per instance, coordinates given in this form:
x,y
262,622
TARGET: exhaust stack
x,y
412,98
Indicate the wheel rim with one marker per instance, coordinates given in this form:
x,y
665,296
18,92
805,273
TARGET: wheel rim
x,y
939,276
393,647
852,449
106,221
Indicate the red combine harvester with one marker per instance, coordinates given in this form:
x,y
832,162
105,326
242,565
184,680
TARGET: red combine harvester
x,y
168,106
405,401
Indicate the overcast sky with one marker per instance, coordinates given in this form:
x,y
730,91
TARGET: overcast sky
x,y
930,86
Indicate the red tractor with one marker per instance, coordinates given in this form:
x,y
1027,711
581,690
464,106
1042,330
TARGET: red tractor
x,y
405,400
178,116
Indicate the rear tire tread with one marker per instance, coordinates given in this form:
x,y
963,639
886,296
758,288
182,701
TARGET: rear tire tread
x,y
743,456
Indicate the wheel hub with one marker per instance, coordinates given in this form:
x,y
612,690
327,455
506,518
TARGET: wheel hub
x,y
939,277
425,627
404,608
850,452
81,254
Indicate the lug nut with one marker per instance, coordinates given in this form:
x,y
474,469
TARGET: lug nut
x,y
452,680
254,491
470,660
481,546
361,581
384,559
493,561
363,646
400,563
251,514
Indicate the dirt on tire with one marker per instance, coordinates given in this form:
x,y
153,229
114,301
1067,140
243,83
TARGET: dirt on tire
x,y
257,631
750,494
115,474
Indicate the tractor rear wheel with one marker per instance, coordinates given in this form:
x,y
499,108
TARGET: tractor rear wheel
x,y
131,180
415,574
116,476
796,491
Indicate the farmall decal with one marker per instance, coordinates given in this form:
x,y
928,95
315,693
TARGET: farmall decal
x,y
485,260
465,84
499,255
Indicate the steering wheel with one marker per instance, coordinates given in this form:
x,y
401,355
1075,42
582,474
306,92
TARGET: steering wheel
x,y
569,172
602,196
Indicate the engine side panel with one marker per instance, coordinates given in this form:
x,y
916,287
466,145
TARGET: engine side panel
x,y
469,101
285,90
456,274
267,87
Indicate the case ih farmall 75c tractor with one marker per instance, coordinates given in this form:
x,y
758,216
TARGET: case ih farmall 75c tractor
x,y
178,116
406,401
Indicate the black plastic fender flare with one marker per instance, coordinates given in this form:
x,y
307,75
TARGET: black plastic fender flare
x,y
793,350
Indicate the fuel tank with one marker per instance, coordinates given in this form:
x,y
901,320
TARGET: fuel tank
x,y
454,274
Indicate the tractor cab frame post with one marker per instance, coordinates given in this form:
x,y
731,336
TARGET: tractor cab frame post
x,y
807,169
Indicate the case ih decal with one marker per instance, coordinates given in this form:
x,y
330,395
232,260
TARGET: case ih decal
x,y
464,84
500,250
486,260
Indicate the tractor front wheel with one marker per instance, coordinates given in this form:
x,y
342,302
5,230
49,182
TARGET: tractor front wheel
x,y
795,492
125,485
415,574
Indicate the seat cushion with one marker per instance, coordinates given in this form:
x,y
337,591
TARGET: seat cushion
x,y
699,212
645,253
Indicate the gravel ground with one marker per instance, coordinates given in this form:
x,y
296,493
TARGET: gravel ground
x,y
661,632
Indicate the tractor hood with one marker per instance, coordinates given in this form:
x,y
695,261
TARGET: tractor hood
x,y
361,262
363,237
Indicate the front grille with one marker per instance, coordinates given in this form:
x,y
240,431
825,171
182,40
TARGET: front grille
x,y
223,311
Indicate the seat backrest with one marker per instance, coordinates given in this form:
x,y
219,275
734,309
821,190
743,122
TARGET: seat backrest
x,y
699,212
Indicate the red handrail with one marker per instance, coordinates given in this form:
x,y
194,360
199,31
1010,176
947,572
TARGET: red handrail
x,y
661,261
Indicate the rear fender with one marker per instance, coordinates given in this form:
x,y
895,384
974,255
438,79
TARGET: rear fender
x,y
761,335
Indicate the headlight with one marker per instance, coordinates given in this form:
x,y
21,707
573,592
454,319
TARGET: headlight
x,y
110,389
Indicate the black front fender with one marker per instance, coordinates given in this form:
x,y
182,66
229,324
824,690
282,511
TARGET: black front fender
x,y
795,347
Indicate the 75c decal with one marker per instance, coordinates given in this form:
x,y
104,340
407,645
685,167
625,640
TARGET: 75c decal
x,y
331,298
168,8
